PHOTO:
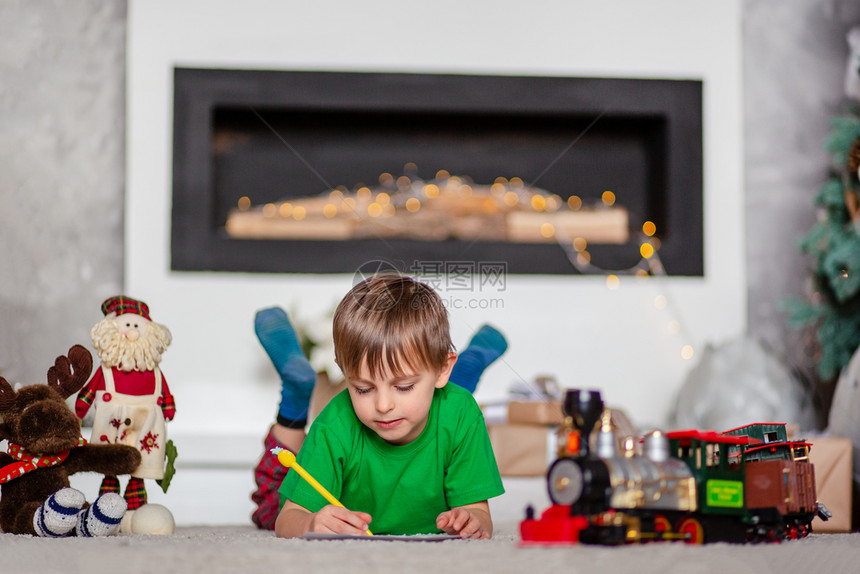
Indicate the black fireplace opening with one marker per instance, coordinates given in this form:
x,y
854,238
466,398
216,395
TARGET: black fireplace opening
x,y
271,136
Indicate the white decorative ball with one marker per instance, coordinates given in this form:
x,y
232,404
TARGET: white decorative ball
x,y
152,519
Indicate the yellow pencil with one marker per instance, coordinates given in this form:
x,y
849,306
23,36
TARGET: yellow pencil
x,y
288,459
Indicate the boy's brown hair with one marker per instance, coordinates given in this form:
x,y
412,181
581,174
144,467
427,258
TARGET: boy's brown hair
x,y
388,320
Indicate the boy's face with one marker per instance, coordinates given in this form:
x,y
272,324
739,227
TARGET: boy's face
x,y
396,406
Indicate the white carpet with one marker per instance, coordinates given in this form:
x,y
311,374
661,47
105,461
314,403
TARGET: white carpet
x,y
215,550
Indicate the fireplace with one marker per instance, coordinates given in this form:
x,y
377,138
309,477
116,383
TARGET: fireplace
x,y
269,138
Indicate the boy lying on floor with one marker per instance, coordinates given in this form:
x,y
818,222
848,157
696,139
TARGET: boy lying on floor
x,y
404,451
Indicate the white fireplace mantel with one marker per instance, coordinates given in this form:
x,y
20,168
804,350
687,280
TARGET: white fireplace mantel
x,y
574,328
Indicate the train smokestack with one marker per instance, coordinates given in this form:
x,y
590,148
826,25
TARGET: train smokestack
x,y
584,407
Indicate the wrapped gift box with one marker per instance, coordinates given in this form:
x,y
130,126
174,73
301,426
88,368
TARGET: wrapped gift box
x,y
535,412
832,460
522,450
549,413
528,443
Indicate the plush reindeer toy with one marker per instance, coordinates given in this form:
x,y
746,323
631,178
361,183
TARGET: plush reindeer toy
x,y
45,448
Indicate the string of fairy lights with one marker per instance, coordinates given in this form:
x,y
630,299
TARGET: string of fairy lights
x,y
649,266
410,193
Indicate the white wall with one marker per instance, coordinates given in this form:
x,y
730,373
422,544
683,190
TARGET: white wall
x,y
572,327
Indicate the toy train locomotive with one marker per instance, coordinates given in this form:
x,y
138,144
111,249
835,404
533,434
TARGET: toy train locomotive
x,y
745,485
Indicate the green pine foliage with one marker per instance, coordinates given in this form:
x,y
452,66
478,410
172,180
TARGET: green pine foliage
x,y
843,131
833,244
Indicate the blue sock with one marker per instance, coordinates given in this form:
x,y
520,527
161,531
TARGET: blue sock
x,y
298,378
486,345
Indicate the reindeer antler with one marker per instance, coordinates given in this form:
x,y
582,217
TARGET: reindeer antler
x,y
70,373
7,395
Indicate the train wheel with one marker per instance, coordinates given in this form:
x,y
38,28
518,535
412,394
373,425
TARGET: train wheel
x,y
768,533
662,527
778,534
793,532
796,529
692,528
662,524
565,481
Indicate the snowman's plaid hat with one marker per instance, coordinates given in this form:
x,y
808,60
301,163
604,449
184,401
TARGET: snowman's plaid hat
x,y
120,305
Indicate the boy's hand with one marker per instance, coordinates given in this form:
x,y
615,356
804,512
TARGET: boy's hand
x,y
466,522
339,520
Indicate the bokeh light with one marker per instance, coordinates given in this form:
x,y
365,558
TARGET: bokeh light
x,y
413,204
608,198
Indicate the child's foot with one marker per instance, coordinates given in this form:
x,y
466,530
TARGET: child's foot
x,y
102,518
59,514
298,377
486,345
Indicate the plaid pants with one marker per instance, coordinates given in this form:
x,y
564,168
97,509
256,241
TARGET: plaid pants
x,y
135,491
269,474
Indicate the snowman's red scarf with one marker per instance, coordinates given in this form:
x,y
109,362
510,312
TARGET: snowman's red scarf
x,y
28,462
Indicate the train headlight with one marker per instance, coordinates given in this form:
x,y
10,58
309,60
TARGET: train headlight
x,y
565,481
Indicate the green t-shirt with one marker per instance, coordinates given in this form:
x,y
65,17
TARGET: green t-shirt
x,y
403,488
